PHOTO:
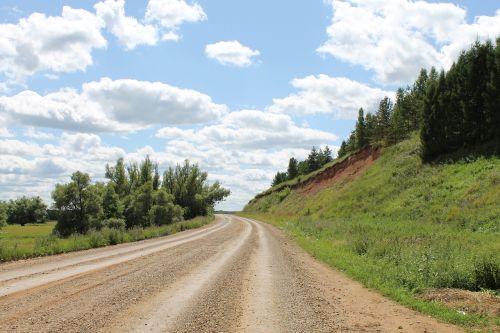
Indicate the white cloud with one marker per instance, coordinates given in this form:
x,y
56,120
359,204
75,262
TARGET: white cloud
x,y
324,94
231,53
127,29
113,106
170,14
32,133
49,43
395,38
245,149
251,129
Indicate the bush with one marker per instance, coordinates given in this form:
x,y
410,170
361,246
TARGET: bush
x,y
167,214
487,273
26,210
114,236
96,239
3,214
115,223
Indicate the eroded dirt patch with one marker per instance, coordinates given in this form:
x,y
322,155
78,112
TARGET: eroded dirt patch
x,y
468,301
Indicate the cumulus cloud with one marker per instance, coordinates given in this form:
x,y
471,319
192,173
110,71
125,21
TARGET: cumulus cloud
x,y
63,44
245,149
49,43
252,129
324,94
231,53
128,30
172,13
111,106
395,38
33,133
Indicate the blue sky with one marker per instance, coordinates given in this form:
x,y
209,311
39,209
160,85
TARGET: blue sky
x,y
239,87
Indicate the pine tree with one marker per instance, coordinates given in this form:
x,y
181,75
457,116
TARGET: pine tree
x,y
279,178
293,169
342,150
371,125
492,94
361,139
325,156
156,178
432,134
313,160
383,115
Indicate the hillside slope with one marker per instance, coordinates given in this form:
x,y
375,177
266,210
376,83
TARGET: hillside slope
x,y
406,228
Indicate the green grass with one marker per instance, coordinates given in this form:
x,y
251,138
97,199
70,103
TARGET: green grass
x,y
17,242
403,227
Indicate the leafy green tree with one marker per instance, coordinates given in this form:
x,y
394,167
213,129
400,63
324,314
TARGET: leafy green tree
x,y
164,211
118,176
293,168
27,210
325,156
111,204
78,204
3,213
146,171
361,138
190,189
141,201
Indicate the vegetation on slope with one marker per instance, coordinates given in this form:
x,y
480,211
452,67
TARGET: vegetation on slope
x,y
403,226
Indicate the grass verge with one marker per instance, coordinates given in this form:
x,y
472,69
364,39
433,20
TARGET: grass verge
x,y
330,246
18,242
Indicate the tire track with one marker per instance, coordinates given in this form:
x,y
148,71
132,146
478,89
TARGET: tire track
x,y
164,312
30,277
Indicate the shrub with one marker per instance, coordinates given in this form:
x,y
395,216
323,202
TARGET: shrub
x,y
96,239
115,223
114,236
487,273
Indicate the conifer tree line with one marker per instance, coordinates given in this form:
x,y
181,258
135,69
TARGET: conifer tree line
x,y
316,159
456,109
452,110
136,195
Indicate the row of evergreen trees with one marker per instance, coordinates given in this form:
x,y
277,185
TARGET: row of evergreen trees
x,y
315,160
136,195
452,110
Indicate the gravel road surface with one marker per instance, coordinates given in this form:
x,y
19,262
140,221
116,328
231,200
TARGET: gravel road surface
x,y
234,275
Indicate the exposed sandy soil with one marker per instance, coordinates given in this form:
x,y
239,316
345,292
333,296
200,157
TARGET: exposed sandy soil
x,y
236,275
347,170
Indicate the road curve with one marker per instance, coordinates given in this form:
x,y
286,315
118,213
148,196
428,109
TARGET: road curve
x,y
235,275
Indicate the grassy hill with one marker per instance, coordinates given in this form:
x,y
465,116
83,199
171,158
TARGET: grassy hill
x,y
408,229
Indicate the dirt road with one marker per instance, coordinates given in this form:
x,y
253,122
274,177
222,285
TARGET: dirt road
x,y
235,275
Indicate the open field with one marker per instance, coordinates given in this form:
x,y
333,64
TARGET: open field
x,y
33,240
404,229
